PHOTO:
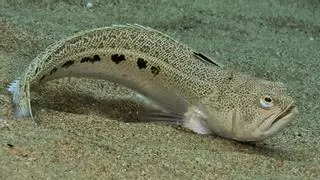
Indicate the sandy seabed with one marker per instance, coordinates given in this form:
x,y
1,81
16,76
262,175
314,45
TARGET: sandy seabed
x,y
86,128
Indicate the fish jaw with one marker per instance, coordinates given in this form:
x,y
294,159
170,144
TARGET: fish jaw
x,y
268,128
276,122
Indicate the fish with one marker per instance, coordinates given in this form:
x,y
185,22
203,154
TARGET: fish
x,y
183,85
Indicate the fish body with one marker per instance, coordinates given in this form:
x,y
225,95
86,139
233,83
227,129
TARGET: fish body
x,y
189,88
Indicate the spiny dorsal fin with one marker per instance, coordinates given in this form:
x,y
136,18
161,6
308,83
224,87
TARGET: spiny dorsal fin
x,y
206,59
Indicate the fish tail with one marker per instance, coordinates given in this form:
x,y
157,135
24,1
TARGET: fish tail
x,y
21,102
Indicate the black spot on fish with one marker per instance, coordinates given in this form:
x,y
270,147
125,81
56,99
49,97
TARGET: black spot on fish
x,y
36,71
155,70
117,58
67,64
95,58
92,60
142,64
85,59
53,70
10,145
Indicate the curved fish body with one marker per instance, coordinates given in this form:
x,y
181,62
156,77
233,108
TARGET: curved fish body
x,y
190,88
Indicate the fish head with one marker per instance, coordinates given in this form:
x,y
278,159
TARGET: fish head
x,y
246,108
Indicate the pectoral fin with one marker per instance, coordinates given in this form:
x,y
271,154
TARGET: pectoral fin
x,y
162,117
166,105
167,99
195,120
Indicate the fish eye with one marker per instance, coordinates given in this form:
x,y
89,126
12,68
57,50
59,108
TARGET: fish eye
x,y
266,102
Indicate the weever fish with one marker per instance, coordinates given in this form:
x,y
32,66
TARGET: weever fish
x,y
190,88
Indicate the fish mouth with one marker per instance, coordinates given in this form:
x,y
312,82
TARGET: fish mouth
x,y
287,112
271,125
276,122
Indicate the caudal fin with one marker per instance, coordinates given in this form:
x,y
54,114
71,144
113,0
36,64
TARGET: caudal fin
x,y
21,103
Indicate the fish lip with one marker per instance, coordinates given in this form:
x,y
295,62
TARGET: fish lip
x,y
276,121
289,109
271,125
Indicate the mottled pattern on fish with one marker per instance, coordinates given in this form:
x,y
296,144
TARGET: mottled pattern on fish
x,y
190,88
132,47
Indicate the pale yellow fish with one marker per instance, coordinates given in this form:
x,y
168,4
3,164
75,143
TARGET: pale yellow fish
x,y
190,88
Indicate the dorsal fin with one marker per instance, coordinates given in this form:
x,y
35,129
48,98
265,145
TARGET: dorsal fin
x,y
206,59
200,56
147,28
